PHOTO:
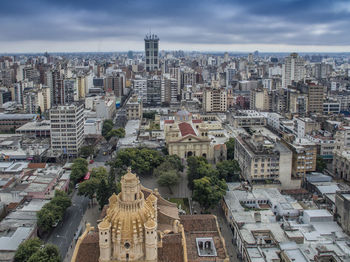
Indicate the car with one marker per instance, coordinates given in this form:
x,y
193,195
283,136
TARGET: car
x,y
91,161
104,153
76,186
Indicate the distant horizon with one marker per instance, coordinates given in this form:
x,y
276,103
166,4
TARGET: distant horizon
x,y
169,51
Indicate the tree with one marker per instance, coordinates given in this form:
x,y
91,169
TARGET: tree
x,y
168,179
79,169
119,133
141,160
175,161
149,115
230,145
49,253
198,167
61,199
228,170
88,188
103,193
208,191
106,127
86,151
320,164
46,218
99,173
26,249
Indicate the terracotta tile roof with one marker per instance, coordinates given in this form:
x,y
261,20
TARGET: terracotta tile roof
x,y
197,121
89,250
193,223
186,129
218,147
168,121
172,250
36,165
197,226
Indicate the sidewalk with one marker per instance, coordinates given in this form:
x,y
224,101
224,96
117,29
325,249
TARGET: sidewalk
x,y
91,215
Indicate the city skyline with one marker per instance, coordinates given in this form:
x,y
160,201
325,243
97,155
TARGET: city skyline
x,y
234,26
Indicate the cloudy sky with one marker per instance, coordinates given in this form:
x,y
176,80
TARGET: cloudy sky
x,y
204,25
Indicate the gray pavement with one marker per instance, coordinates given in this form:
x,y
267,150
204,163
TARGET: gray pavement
x,y
179,191
62,236
91,216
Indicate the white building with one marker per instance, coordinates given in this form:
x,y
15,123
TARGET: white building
x,y
67,128
293,69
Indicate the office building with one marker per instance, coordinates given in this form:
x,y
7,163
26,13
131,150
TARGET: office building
x,y
152,53
67,129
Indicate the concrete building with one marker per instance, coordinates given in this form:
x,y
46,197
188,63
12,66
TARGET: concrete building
x,y
154,86
105,108
261,159
9,122
134,108
169,90
44,98
152,52
316,97
246,118
214,100
304,156
259,99
140,88
293,70
342,203
67,129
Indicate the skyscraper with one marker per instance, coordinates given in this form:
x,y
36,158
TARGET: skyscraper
x,y
151,50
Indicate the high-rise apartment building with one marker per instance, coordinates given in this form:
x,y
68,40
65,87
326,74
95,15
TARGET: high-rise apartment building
x,y
152,51
169,90
67,128
215,100
154,91
316,96
293,70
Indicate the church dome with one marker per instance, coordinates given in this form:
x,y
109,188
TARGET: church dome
x,y
183,115
128,211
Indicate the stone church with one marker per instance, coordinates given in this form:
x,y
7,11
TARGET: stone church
x,y
139,225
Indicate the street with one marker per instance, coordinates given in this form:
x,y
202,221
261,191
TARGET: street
x,y
64,233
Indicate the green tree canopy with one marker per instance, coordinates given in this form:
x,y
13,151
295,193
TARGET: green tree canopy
x,y
88,188
198,167
106,127
141,160
26,249
46,218
103,193
228,170
320,164
86,151
208,191
149,115
33,250
53,211
230,145
119,133
79,169
168,178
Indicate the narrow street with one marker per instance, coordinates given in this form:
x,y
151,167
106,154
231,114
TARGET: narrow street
x,y
64,233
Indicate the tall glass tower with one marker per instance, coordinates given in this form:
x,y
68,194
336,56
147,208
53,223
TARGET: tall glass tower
x,y
151,50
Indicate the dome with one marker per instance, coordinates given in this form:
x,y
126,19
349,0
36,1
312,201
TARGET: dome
x,y
183,115
128,211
